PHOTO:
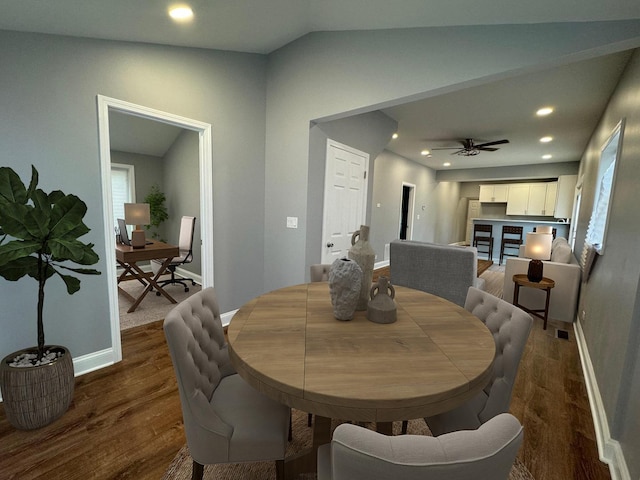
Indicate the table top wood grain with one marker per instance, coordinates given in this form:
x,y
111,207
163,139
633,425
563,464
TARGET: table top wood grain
x,y
287,344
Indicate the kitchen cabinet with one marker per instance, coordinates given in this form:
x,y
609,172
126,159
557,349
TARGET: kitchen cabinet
x,y
532,199
566,195
494,193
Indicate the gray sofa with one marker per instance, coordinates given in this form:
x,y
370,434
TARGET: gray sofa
x,y
563,268
443,270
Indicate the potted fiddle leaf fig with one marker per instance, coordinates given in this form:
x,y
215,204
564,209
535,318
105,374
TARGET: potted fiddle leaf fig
x,y
39,238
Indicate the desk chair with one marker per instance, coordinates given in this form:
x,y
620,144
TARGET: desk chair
x,y
483,236
357,453
511,241
185,244
225,419
554,230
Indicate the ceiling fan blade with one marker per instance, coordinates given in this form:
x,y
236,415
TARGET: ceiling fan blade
x,y
487,149
497,142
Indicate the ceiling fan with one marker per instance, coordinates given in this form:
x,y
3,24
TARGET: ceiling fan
x,y
469,148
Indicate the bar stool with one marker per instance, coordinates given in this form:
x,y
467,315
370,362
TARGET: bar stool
x,y
511,239
483,236
554,230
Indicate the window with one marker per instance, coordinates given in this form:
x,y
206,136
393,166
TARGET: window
x,y
122,189
597,230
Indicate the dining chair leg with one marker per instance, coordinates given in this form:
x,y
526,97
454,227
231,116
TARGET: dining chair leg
x,y
198,471
280,469
290,426
309,419
405,426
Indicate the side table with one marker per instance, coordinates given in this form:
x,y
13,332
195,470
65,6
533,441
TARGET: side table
x,y
521,280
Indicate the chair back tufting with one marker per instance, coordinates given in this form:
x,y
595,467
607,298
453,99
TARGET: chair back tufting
x,y
510,327
198,349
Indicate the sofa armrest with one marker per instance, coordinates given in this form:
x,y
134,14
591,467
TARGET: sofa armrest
x,y
564,296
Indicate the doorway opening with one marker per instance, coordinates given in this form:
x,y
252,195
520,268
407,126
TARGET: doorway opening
x,y
407,205
106,106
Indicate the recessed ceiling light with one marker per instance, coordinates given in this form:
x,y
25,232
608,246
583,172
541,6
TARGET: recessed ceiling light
x,y
446,164
181,13
424,153
547,156
546,139
544,111
394,136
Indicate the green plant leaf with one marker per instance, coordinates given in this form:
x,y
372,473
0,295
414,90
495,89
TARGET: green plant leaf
x,y
12,190
12,218
16,249
73,284
66,214
18,268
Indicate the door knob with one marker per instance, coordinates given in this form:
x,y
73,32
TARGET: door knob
x,y
329,244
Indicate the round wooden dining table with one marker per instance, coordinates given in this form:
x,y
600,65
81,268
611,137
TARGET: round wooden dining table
x,y
288,345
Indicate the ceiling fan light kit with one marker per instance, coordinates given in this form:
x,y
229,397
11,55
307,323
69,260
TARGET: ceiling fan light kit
x,y
469,148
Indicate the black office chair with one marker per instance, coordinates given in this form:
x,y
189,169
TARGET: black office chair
x,y
185,246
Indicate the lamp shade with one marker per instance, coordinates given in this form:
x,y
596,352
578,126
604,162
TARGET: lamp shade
x,y
137,214
544,229
538,246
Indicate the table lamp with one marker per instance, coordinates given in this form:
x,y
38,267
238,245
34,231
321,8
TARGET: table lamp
x,y
544,229
537,248
137,214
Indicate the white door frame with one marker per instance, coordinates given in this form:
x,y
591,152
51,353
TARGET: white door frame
x,y
106,104
410,210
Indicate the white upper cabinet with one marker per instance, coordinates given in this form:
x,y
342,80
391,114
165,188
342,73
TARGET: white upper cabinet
x,y
494,193
532,199
566,195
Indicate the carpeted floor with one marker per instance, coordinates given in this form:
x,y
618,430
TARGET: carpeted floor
x,y
180,468
152,307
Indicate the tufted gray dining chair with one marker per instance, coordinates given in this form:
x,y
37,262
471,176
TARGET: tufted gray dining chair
x,y
488,453
225,419
510,327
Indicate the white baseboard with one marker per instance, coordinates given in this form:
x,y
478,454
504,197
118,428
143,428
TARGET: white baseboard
x,y
609,450
92,361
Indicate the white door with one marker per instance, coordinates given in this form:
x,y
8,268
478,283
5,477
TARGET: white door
x,y
473,211
345,198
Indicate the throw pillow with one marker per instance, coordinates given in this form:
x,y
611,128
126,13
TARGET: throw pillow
x,y
561,253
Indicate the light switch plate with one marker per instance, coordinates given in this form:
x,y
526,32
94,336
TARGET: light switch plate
x,y
292,222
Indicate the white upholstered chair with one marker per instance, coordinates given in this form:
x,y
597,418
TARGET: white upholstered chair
x,y
225,419
488,453
510,327
319,272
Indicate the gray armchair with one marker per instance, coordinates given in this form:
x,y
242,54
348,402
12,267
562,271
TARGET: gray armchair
x,y
510,327
488,453
225,419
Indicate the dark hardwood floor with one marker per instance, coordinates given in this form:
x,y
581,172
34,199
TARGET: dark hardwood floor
x,y
125,420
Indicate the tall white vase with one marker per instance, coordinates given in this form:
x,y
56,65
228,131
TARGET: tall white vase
x,y
363,254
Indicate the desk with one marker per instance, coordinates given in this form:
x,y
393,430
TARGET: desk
x,y
521,280
127,257
288,345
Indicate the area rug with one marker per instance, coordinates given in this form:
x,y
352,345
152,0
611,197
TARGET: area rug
x,y
494,280
180,468
152,307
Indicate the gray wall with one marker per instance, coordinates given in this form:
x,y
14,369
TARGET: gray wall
x,y
48,88
390,171
148,169
182,188
610,298
329,75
